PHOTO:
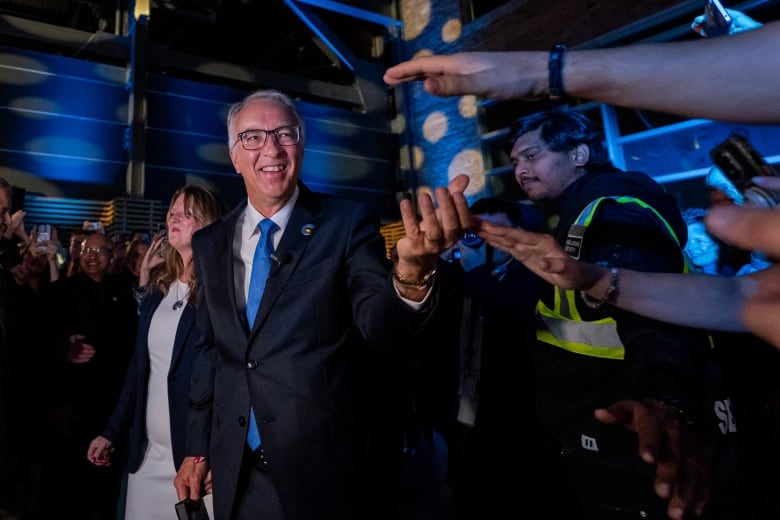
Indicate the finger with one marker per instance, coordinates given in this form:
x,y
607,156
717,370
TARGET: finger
x,y
770,182
747,228
194,487
692,484
409,218
448,217
181,488
459,183
691,492
414,70
429,221
666,473
607,416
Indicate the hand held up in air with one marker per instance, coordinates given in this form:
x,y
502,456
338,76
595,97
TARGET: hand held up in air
x,y
440,227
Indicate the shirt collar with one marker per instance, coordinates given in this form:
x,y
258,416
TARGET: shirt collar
x,y
252,217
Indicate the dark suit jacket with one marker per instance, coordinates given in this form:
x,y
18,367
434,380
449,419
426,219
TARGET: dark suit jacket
x,y
129,415
331,295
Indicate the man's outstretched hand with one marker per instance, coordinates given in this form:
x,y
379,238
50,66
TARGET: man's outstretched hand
x,y
682,474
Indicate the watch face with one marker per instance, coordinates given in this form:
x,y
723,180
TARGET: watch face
x,y
472,240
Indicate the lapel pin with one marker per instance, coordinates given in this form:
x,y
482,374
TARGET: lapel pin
x,y
307,230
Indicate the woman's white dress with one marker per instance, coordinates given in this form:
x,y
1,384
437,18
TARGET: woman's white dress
x,y
150,491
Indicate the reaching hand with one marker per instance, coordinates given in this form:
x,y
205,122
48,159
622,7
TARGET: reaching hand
x,y
541,254
682,474
739,22
498,75
749,228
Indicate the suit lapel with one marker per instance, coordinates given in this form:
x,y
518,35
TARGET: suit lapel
x,y
217,264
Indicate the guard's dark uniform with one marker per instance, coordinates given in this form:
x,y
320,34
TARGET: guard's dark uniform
x,y
587,358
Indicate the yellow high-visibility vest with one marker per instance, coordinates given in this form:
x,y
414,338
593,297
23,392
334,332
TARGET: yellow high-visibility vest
x,y
562,326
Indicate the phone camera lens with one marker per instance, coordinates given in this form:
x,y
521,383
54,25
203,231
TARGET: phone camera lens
x,y
472,240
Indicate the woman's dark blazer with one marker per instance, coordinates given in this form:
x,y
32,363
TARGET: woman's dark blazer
x,y
129,416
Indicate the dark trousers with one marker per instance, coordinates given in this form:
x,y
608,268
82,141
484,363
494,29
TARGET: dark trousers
x,y
256,497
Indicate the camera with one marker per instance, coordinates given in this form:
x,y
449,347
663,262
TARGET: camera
x,y
472,240
740,162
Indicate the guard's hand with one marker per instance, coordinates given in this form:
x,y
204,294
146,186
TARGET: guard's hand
x,y
682,474
542,254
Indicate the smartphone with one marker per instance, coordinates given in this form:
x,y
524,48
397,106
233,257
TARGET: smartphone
x,y
92,226
717,20
191,510
43,233
740,162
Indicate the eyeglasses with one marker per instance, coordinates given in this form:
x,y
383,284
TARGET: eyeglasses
x,y
96,250
256,139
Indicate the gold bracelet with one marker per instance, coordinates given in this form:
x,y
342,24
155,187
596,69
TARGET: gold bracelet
x,y
610,295
420,284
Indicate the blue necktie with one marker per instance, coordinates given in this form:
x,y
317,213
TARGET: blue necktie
x,y
261,265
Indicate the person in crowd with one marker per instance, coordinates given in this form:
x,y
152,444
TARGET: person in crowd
x,y
10,257
614,218
137,248
493,426
153,406
722,192
642,76
278,376
73,265
95,324
737,303
119,253
29,365
701,249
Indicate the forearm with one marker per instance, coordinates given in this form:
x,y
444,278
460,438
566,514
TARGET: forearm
x,y
54,273
719,78
693,300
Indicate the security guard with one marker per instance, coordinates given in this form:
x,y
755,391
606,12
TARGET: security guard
x,y
589,354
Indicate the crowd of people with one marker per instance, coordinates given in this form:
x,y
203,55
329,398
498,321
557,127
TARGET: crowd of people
x,y
642,76
230,362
